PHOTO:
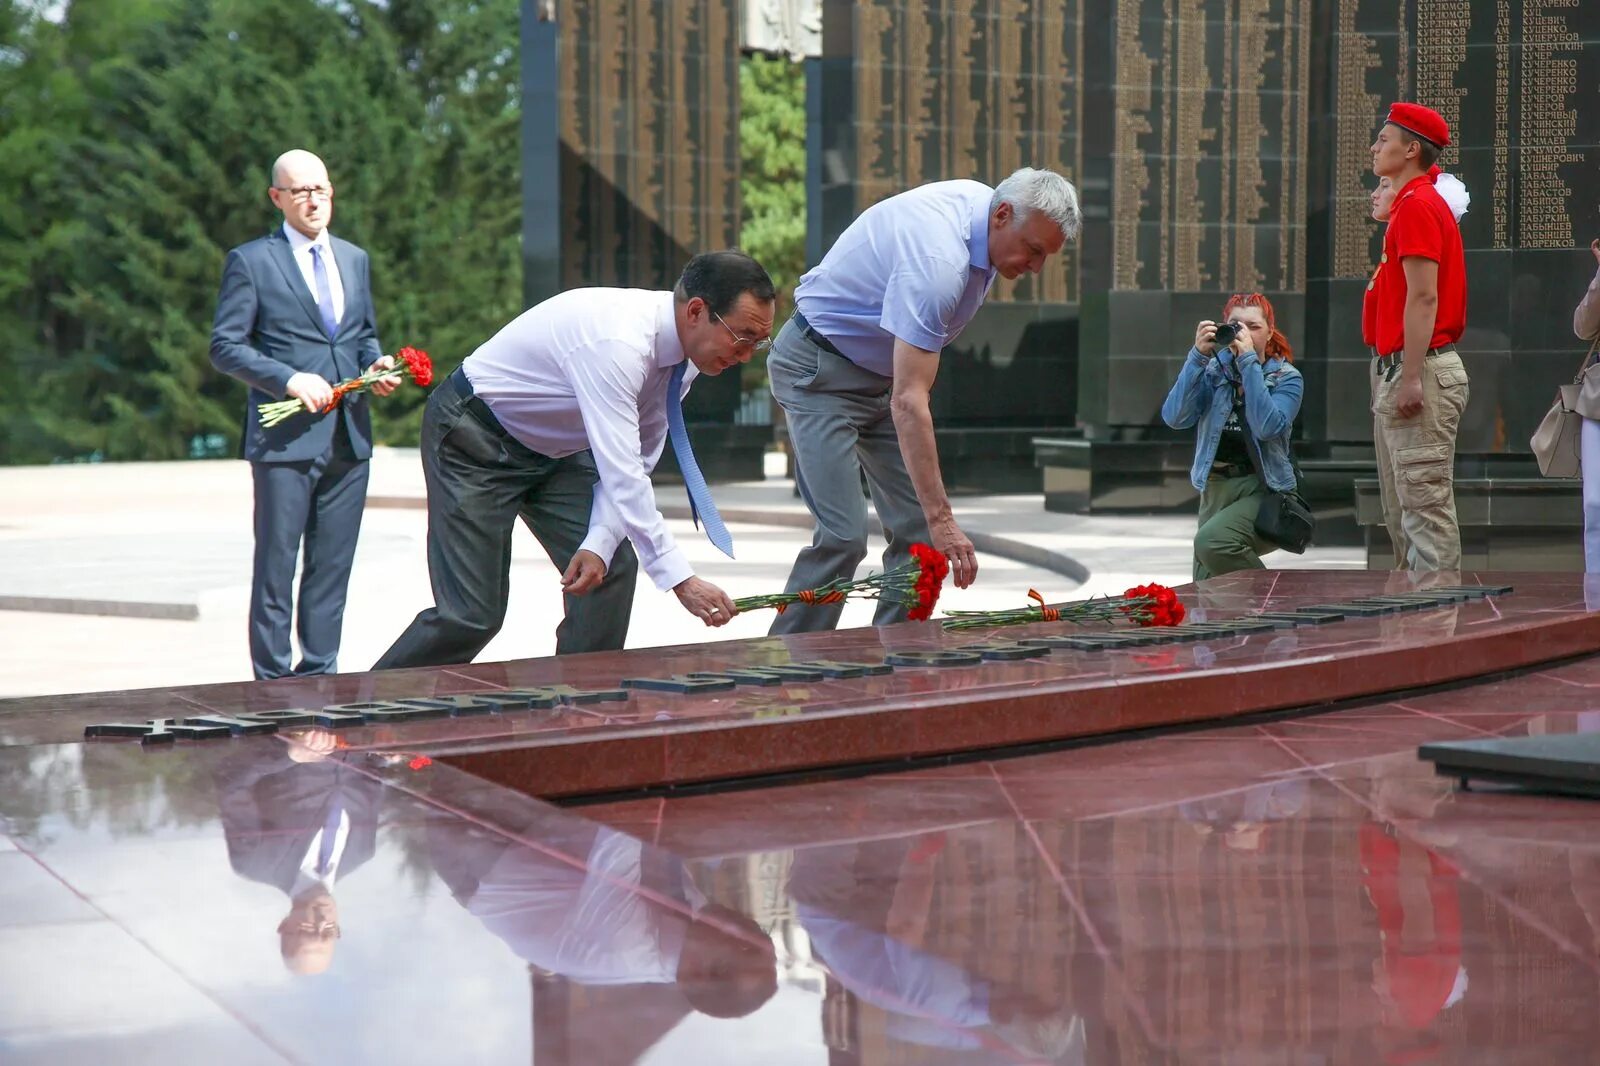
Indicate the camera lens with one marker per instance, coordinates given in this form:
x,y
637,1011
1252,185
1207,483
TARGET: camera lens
x,y
1226,334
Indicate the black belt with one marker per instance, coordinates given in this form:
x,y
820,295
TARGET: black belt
x,y
813,336
1388,363
476,407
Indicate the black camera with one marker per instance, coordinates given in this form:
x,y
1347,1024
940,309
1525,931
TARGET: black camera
x,y
1226,334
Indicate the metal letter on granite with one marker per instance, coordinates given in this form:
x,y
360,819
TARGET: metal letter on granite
x,y
1006,652
680,684
831,668
941,657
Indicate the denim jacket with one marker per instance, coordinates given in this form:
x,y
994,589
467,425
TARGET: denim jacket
x,y
1203,397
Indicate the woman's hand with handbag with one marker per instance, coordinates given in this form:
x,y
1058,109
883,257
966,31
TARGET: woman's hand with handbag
x,y
1555,443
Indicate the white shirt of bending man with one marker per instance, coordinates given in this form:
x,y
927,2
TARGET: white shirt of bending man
x,y
589,369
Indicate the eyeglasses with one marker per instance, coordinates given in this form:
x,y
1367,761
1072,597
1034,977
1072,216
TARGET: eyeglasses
x,y
301,193
322,929
740,341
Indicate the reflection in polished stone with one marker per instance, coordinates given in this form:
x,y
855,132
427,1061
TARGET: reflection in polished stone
x,y
1297,890
867,911
300,816
619,913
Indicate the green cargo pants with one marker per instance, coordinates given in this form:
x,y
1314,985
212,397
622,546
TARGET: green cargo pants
x,y
1226,540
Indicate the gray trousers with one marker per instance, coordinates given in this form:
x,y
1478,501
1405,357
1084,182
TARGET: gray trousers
x,y
317,503
839,425
480,480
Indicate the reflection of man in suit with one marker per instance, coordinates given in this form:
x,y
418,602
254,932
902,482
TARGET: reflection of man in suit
x,y
295,314
600,908
300,818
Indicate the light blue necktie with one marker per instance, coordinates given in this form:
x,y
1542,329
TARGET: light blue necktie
x,y
701,506
324,293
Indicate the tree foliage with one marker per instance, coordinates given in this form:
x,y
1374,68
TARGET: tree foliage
x,y
135,142
772,182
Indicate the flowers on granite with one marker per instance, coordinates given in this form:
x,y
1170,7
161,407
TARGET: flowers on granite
x,y
1144,605
1152,605
915,583
410,363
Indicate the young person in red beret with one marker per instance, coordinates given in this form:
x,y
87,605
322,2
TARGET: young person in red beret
x,y
1456,196
1418,305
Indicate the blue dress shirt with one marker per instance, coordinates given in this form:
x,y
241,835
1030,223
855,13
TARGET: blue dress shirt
x,y
914,267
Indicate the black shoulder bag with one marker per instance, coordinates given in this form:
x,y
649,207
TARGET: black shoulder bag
x,y
1283,518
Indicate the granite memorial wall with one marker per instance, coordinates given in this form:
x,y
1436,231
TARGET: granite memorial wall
x,y
907,93
1519,83
1196,123
1236,157
1219,146
631,165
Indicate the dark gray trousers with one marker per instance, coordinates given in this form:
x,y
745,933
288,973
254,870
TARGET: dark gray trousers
x,y
480,480
318,502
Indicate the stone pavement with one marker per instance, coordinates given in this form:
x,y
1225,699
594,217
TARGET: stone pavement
x,y
134,575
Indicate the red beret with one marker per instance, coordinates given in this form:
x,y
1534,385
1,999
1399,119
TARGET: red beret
x,y
1425,122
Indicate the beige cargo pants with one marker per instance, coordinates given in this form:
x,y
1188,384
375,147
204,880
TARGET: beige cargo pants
x,y
1416,463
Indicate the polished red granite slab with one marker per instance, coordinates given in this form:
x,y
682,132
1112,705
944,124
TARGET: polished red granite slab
x,y
1296,891
658,738
1302,891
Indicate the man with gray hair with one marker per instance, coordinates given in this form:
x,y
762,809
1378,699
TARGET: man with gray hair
x,y
854,366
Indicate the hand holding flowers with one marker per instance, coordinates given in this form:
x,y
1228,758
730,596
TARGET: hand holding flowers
x,y
915,583
312,393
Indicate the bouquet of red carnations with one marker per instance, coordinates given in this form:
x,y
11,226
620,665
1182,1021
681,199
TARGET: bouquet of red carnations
x,y
916,583
1145,605
412,363
1152,605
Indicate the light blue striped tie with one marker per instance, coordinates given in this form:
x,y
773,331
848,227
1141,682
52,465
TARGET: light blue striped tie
x,y
701,506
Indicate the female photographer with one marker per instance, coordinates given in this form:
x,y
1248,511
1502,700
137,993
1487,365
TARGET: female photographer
x,y
1240,395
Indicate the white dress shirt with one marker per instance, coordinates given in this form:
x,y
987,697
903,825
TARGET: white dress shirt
x,y
590,923
309,874
589,369
300,245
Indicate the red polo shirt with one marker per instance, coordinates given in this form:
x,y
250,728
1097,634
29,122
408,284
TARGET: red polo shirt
x,y
1369,311
1421,976
1420,224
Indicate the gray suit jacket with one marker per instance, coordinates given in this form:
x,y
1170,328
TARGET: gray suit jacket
x,y
267,330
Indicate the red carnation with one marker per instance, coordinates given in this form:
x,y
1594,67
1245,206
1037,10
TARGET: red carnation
x,y
412,362
915,583
418,367
1153,605
932,569
420,762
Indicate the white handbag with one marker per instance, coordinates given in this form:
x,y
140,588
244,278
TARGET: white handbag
x,y
1555,443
